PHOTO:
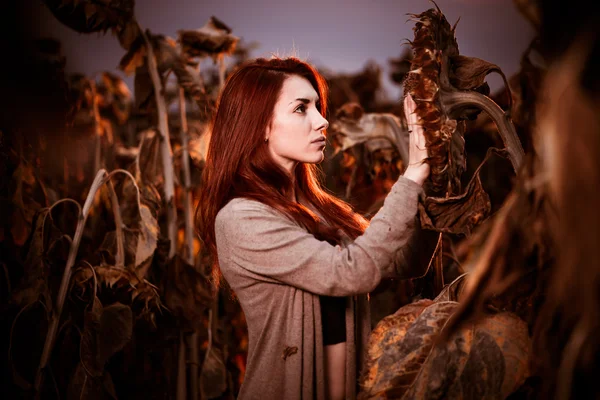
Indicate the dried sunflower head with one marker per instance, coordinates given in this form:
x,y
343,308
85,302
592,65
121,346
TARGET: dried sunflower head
x,y
117,285
87,16
214,39
448,89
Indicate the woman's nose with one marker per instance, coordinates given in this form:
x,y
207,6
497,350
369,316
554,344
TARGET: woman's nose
x,y
321,124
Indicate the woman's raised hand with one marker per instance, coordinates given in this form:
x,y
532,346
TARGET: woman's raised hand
x,y
418,169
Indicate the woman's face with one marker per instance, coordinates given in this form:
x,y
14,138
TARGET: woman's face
x,y
296,132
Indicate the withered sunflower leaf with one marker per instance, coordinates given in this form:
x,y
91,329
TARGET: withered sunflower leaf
x,y
377,131
115,330
83,386
128,34
120,94
458,215
165,51
189,80
108,248
143,90
397,348
487,359
213,376
150,165
469,73
147,239
453,291
135,56
35,278
88,347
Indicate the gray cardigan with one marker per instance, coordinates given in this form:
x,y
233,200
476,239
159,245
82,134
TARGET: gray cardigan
x,y
278,271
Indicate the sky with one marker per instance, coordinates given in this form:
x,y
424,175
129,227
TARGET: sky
x,y
339,35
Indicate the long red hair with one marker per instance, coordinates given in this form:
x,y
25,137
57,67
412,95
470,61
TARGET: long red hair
x,y
239,164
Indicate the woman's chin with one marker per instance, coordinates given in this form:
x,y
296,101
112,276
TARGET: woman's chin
x,y
317,158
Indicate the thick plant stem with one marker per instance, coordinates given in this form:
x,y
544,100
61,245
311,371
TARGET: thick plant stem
x,y
64,285
165,148
457,101
189,234
194,366
185,162
97,128
181,370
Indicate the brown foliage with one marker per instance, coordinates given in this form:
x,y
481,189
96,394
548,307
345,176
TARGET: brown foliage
x,y
214,40
483,360
86,16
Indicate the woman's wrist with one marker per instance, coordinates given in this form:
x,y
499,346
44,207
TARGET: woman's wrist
x,y
417,173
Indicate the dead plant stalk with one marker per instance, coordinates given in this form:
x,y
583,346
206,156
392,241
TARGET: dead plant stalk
x,y
99,180
166,153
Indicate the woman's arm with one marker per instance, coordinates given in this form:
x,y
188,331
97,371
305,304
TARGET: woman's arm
x,y
259,239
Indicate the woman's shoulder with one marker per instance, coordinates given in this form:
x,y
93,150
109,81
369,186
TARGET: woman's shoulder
x,y
242,204
241,207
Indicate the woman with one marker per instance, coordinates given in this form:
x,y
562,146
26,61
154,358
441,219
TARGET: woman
x,y
290,251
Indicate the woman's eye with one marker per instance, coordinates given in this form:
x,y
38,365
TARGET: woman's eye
x,y
301,109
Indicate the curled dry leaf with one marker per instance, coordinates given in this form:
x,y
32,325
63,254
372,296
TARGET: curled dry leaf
x,y
116,96
488,359
214,40
449,88
140,241
128,33
377,131
146,243
87,16
458,215
106,331
35,278
213,377
82,386
454,290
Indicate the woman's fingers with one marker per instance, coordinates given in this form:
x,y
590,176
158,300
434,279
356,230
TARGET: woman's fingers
x,y
417,147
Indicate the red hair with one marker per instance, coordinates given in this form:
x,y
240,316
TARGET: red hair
x,y
239,164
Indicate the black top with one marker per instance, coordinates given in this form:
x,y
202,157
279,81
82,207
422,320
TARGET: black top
x,y
333,319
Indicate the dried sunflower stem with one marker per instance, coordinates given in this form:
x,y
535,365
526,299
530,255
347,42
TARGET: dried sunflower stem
x,y
120,257
194,365
181,375
456,101
97,128
166,154
62,292
189,238
185,162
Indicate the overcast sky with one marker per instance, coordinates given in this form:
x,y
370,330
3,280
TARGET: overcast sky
x,y
339,35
